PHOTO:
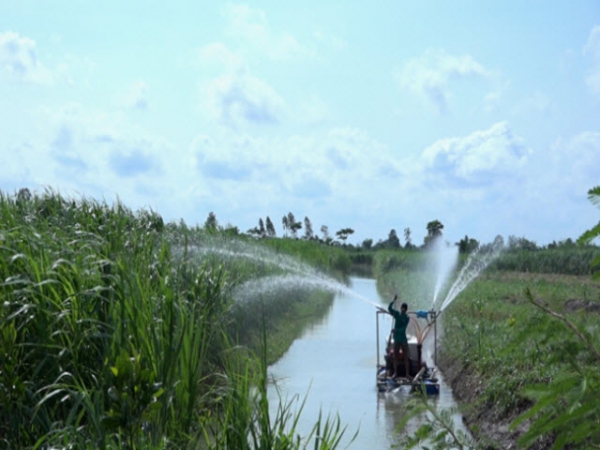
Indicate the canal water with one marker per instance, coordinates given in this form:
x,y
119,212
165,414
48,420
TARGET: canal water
x,y
333,366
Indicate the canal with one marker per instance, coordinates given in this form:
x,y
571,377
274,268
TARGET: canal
x,y
333,366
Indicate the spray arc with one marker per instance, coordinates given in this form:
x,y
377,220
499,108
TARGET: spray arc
x,y
424,321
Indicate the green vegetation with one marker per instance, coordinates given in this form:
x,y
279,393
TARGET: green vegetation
x,y
117,331
500,353
120,331
519,347
569,259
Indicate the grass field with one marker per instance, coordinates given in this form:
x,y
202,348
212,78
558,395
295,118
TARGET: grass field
x,y
501,353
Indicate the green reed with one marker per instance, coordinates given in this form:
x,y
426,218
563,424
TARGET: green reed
x,y
568,260
245,420
109,336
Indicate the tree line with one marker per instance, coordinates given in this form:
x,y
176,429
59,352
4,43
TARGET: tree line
x,y
303,229
292,229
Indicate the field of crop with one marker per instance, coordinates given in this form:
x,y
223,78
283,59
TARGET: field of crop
x,y
514,367
119,331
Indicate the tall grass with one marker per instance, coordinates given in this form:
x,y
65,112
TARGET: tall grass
x,y
386,261
110,336
246,422
333,260
258,273
568,260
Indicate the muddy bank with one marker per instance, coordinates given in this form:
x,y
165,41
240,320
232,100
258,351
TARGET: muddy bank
x,y
480,417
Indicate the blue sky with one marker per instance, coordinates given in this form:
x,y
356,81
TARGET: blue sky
x,y
369,115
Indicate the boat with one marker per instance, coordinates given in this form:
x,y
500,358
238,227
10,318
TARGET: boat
x,y
421,377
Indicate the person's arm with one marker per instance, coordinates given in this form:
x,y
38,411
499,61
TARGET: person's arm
x,y
390,307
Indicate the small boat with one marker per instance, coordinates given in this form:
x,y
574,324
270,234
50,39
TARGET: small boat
x,y
421,377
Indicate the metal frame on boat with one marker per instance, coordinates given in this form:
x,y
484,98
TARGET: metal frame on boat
x,y
420,376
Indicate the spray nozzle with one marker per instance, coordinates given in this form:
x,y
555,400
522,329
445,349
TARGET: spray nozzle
x,y
422,314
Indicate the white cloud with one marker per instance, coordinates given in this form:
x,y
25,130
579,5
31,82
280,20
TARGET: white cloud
x,y
136,97
486,183
132,162
573,164
235,163
250,25
479,159
327,176
313,110
593,80
334,42
239,99
18,59
538,102
430,75
592,46
592,49
584,154
91,153
492,100
310,186
342,162
15,171
218,54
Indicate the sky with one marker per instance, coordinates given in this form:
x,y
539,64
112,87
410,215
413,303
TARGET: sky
x,y
356,114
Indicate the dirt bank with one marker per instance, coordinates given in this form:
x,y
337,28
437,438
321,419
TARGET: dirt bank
x,y
481,418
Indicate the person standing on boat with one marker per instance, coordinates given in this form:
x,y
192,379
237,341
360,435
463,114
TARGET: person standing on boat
x,y
401,321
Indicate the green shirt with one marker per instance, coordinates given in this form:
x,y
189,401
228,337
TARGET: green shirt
x,y
401,322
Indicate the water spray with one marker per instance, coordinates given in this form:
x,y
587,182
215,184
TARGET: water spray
x,y
445,261
477,262
276,283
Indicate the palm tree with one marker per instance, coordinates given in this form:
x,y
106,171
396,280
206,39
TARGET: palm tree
x,y
284,222
434,229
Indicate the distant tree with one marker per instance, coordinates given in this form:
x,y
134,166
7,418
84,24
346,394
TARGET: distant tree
x,y
24,195
407,238
567,243
308,231
258,231
434,229
231,230
380,244
392,240
270,228
367,244
211,223
515,243
286,226
498,243
344,233
325,233
293,225
467,245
